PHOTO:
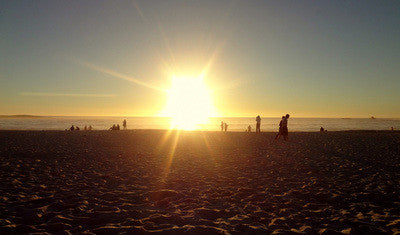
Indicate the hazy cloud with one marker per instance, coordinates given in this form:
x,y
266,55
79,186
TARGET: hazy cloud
x,y
115,74
64,94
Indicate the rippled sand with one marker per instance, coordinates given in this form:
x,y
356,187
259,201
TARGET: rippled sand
x,y
199,182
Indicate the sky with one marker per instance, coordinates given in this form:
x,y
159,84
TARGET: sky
x,y
116,58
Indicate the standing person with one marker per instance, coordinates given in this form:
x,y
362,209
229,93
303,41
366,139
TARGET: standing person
x,y
222,125
280,129
225,126
285,131
124,124
258,120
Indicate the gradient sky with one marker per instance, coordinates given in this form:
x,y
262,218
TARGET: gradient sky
x,y
306,58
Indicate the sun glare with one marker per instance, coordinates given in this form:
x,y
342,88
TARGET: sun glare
x,y
189,103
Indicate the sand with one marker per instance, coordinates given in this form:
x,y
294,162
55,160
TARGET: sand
x,y
109,182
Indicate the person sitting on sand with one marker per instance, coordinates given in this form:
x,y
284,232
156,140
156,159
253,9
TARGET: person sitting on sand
x,y
90,128
280,129
72,128
77,128
117,127
321,129
85,128
249,128
113,127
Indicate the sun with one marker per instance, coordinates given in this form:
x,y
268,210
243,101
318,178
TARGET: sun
x,y
189,103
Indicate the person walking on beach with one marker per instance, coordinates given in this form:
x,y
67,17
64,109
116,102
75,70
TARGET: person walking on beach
x,y
285,131
225,126
280,129
124,124
222,125
258,120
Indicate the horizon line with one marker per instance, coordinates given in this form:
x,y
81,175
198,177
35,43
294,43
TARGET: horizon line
x,y
155,116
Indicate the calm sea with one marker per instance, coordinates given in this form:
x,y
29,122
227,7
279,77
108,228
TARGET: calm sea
x,y
235,124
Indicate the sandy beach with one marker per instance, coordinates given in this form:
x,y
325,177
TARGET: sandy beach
x,y
108,182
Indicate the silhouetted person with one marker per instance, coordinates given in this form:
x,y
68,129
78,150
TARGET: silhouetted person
x,y
392,129
225,126
117,127
285,131
124,124
113,127
85,128
72,128
249,128
258,120
321,129
90,128
77,128
280,129
222,126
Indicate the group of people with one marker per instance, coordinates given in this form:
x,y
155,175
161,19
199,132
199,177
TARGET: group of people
x,y
76,128
224,126
114,127
117,127
283,127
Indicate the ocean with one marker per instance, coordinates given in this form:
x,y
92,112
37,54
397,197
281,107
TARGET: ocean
x,y
235,123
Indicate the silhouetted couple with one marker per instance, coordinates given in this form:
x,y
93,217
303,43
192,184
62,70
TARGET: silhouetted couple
x,y
88,128
283,129
115,127
74,128
258,125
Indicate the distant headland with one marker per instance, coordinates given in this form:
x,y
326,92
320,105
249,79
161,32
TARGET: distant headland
x,y
21,116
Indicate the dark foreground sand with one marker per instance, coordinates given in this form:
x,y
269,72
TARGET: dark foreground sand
x,y
109,182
